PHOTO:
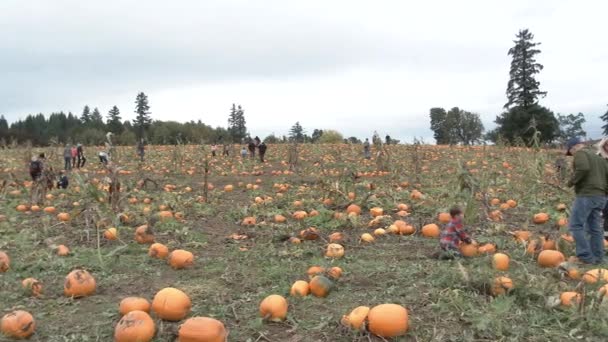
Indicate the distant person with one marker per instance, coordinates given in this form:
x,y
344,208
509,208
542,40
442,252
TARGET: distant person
x,y
367,149
251,147
225,151
388,139
602,151
103,157
262,151
67,157
213,150
453,235
244,152
81,158
37,166
141,150
590,182
74,151
257,141
63,181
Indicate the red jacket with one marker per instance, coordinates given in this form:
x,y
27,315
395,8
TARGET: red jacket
x,y
453,233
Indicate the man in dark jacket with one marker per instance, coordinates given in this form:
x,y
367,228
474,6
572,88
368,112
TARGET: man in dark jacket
x,y
262,151
590,182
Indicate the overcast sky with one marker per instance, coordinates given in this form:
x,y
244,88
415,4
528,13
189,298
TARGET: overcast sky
x,y
354,66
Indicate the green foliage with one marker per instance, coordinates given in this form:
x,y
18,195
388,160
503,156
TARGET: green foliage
x,y
142,120
296,133
316,134
271,139
456,126
113,122
518,122
571,126
85,118
236,124
605,119
331,136
523,89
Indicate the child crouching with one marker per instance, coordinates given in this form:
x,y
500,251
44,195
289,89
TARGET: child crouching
x,y
452,235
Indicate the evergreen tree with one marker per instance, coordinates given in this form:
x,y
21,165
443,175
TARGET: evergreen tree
x,y
113,121
3,129
97,119
605,119
296,133
85,118
523,89
143,120
316,135
571,126
519,122
236,124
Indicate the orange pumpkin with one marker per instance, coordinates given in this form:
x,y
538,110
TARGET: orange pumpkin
x,y
388,320
110,234
32,287
165,215
335,272
353,209
249,221
569,298
444,217
79,283
501,286
487,248
135,326
314,270
376,211
356,319
279,218
512,203
500,262
63,250
540,218
18,324
229,188
468,249
180,259
171,304
144,234
64,217
158,250
334,250
300,288
199,329
595,275
430,230
5,262
550,258
336,237
320,286
309,233
133,304
366,237
274,308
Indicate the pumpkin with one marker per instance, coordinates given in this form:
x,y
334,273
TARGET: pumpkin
x,y
334,250
540,218
300,215
561,207
18,324
202,329
522,235
512,203
165,215
63,250
550,258
32,286
415,194
35,208
353,209
171,304
249,221
300,288
320,286
135,326
228,188
430,230
335,272
22,208
376,211
548,243
144,234
158,250
64,217
569,298
468,249
336,237
366,237
133,304
356,318
309,233
487,248
110,234
314,270
295,240
379,231
179,259
501,286
500,261
274,308
279,218
495,201
79,283
5,262
595,275
388,320
444,217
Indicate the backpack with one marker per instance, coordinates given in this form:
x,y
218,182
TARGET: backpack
x,y
35,167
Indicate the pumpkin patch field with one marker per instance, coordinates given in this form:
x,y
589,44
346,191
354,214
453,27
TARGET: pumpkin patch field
x,y
316,244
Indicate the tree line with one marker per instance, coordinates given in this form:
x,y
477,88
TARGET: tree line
x,y
524,120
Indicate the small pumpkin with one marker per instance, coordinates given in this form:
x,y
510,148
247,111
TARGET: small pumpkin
x,y
135,326
279,218
5,262
274,308
63,250
321,286
500,261
334,250
133,304
63,217
79,283
366,237
110,234
468,249
569,298
540,218
202,329
32,287
309,233
487,248
336,237
550,258
18,324
388,320
376,211
430,230
356,319
314,270
300,215
180,259
249,221
501,286
300,288
144,234
444,217
353,209
158,250
334,272
512,203
171,304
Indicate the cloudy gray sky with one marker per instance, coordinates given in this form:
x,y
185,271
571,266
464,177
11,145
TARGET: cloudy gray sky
x,y
354,66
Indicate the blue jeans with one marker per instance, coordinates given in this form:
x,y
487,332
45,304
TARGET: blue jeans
x,y
585,220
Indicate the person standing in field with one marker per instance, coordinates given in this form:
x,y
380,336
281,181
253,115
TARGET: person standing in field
x,y
67,157
453,235
262,151
81,158
590,182
74,151
602,151
141,150
367,149
213,150
36,167
251,147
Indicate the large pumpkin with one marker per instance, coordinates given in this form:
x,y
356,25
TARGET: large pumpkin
x,y
595,275
356,319
550,258
133,304
202,329
79,283
171,304
158,250
320,286
5,262
430,230
334,250
135,326
300,288
18,324
500,262
444,217
388,320
274,308
468,249
540,218
179,259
